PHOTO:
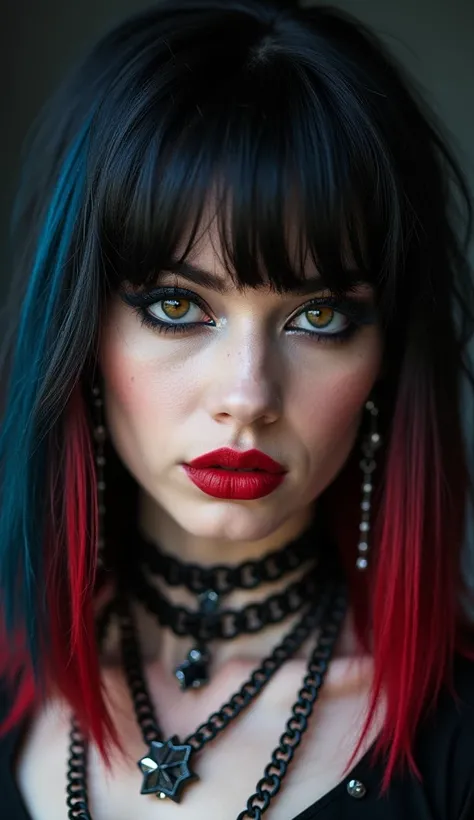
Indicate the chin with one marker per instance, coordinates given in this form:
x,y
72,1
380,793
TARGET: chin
x,y
234,520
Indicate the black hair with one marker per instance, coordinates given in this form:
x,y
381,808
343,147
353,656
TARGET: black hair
x,y
278,115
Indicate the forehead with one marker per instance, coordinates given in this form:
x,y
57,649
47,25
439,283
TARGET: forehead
x,y
205,259
242,239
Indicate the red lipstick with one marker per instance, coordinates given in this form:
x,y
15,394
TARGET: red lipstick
x,y
230,474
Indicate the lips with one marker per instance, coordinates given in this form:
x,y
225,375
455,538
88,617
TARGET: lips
x,y
233,460
229,474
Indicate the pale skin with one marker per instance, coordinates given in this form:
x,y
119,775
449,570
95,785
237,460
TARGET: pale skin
x,y
242,381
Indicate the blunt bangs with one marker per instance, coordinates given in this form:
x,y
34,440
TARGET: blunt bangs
x,y
270,135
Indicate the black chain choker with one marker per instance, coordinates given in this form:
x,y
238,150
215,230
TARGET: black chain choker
x,y
210,585
166,768
221,578
208,624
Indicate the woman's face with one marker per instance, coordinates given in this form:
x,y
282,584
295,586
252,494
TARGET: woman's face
x,y
257,370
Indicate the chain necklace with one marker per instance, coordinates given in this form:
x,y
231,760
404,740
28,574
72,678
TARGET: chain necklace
x,y
210,622
166,768
222,578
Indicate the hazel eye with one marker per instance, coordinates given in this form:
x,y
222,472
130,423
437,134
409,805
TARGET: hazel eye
x,y
319,318
176,310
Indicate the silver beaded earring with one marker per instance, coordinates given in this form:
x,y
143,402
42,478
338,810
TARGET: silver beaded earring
x,y
370,444
99,439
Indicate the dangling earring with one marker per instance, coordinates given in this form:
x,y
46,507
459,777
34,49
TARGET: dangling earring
x,y
370,444
99,438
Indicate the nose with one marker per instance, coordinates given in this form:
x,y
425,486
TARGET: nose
x,y
246,384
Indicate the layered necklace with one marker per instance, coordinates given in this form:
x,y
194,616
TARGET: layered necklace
x,y
167,767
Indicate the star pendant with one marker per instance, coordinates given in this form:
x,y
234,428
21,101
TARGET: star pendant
x,y
165,768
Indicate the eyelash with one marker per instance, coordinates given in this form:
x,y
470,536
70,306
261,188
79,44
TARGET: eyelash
x,y
352,310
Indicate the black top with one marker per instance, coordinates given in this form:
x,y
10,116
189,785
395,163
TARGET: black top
x,y
444,753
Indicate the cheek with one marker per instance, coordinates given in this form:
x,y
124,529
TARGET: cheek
x,y
138,394
143,389
332,406
328,408
143,397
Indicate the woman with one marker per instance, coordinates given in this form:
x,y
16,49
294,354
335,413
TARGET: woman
x,y
234,478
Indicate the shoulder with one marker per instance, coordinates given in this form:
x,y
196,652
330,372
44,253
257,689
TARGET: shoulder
x,y
464,677
463,680
8,699
445,745
5,699
454,712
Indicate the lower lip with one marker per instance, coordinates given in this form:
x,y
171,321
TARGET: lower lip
x,y
232,484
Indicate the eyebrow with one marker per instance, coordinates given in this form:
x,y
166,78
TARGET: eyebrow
x,y
205,279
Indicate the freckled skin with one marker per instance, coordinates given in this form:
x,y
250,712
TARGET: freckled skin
x,y
246,382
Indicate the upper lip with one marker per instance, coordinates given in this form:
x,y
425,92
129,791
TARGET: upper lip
x,y
235,460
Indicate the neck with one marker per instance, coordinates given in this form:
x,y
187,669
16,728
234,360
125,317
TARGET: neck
x,y
160,528
162,646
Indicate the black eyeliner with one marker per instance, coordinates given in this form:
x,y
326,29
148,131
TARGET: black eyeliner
x,y
359,311
362,312
150,297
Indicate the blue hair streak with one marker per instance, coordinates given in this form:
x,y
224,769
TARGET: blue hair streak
x,y
23,436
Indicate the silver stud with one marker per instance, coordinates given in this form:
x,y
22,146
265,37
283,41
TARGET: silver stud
x,y
362,563
356,789
364,526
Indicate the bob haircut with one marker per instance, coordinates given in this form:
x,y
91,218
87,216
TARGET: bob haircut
x,y
275,110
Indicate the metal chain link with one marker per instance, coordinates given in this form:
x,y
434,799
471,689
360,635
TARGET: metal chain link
x,y
133,667
260,676
76,789
224,579
226,624
269,785
77,798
